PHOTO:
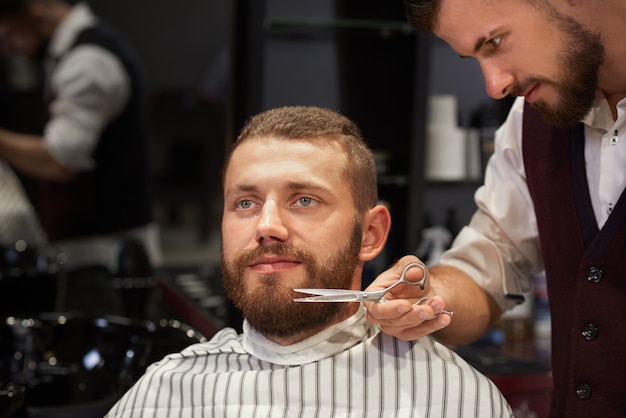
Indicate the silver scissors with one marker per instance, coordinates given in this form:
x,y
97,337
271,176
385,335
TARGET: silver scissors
x,y
345,295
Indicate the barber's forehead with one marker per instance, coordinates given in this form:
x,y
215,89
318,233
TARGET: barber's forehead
x,y
463,23
463,7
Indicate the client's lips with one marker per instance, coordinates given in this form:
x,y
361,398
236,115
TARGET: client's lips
x,y
274,263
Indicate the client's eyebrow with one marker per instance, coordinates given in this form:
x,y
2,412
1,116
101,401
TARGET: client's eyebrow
x,y
297,185
240,188
291,185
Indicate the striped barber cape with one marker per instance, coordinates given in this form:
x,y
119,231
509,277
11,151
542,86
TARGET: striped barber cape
x,y
348,370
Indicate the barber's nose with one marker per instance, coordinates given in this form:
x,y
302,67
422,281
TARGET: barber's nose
x,y
498,82
271,226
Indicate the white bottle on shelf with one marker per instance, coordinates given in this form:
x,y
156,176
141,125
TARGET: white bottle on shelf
x,y
446,142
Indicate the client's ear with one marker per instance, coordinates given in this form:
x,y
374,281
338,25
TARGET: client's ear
x,y
375,226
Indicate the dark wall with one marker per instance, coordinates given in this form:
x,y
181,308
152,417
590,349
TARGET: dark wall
x,y
181,43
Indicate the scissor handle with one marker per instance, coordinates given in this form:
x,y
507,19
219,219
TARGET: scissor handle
x,y
421,282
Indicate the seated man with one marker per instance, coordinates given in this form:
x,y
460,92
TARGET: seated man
x,y
300,211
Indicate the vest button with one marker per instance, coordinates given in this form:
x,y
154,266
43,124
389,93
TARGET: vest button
x,y
594,274
590,332
583,391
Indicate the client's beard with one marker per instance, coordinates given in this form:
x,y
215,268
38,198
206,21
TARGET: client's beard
x,y
270,308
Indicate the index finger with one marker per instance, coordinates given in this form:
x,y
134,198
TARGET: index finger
x,y
390,312
409,322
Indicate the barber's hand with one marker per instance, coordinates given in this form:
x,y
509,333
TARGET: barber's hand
x,y
400,316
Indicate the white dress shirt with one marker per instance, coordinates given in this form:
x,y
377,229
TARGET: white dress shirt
x,y
500,246
90,88
348,370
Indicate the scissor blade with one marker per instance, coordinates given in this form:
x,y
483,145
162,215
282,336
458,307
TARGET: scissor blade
x,y
331,298
338,295
327,292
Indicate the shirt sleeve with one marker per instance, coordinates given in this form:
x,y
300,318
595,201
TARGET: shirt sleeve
x,y
91,88
499,248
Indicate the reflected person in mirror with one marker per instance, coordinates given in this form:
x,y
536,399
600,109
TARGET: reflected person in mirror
x,y
89,162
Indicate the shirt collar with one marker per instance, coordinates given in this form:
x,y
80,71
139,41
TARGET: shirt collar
x,y
329,342
79,18
600,115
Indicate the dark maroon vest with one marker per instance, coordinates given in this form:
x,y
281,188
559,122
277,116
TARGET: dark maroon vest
x,y
586,273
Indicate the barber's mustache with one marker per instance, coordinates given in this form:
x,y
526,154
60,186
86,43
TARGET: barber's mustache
x,y
519,88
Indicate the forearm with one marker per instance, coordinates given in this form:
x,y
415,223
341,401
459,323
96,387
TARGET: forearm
x,y
29,155
474,309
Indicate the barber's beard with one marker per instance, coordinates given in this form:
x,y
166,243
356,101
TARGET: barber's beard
x,y
270,308
581,60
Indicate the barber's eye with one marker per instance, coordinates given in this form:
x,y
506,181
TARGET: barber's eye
x,y
494,42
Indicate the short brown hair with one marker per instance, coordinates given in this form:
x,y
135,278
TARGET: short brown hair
x,y
315,124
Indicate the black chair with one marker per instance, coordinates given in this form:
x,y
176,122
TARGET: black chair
x,y
29,279
62,365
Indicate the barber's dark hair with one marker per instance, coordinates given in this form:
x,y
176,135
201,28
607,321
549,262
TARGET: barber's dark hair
x,y
421,14
322,127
